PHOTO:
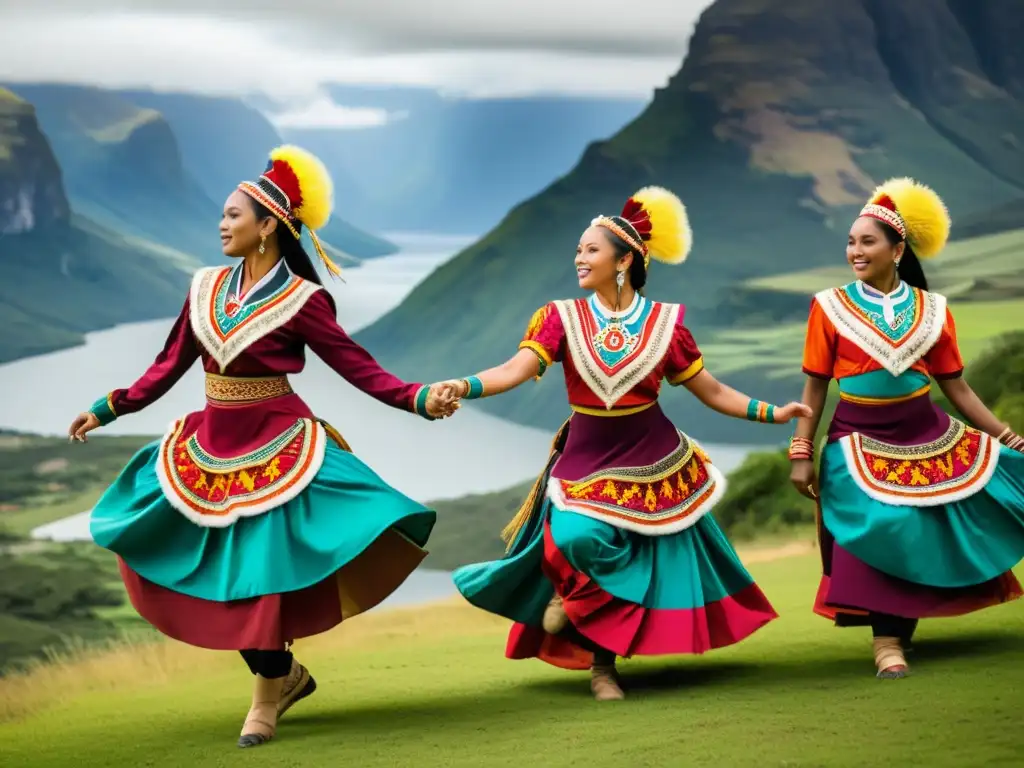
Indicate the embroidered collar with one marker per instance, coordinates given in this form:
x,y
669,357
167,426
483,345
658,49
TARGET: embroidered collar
x,y
613,356
890,304
623,315
225,326
895,339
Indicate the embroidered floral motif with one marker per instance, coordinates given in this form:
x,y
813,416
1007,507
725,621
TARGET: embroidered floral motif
x,y
213,491
955,466
663,498
916,328
612,358
226,336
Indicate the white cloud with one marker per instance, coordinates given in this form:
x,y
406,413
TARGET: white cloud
x,y
289,50
322,112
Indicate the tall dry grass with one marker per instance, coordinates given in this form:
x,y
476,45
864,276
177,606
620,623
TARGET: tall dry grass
x,y
76,669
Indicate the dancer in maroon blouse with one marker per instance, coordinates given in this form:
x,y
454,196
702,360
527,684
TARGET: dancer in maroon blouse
x,y
251,523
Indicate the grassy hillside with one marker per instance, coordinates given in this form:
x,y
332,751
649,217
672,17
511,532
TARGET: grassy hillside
x,y
430,687
780,122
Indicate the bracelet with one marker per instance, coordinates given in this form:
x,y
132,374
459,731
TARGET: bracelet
x,y
759,411
1011,440
474,388
801,449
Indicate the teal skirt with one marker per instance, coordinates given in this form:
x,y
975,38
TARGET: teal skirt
x,y
340,546
631,594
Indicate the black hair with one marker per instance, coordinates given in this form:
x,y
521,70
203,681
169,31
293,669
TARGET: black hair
x,y
910,269
637,270
289,246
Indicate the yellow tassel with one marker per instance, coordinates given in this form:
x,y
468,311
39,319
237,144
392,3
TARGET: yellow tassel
x,y
671,236
922,210
333,268
511,532
315,185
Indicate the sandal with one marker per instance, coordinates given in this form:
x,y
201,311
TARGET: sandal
x,y
261,723
297,685
604,684
555,618
889,658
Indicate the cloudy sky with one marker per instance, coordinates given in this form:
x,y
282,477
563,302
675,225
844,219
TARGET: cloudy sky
x,y
290,48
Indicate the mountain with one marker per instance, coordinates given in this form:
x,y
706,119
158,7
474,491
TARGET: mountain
x,y
779,123
65,275
455,165
223,141
123,167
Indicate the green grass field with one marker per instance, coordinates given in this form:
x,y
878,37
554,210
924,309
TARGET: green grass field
x,y
430,687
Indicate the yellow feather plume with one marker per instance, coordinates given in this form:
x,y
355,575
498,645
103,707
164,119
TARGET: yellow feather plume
x,y
671,236
922,211
314,184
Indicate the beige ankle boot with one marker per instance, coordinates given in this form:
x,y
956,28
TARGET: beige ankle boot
x,y
261,722
297,685
604,683
555,618
889,658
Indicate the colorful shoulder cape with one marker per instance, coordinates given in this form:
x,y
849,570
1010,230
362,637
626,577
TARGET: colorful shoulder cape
x,y
613,357
225,327
895,342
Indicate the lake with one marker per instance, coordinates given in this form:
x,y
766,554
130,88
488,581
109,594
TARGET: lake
x,y
473,452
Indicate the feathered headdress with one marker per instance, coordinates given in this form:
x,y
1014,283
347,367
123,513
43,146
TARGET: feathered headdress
x,y
297,190
654,222
915,211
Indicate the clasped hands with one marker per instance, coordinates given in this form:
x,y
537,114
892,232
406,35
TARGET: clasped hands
x,y
444,398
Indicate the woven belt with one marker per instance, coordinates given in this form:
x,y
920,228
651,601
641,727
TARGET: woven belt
x,y
231,391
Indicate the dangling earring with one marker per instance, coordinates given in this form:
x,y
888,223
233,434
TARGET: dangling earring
x,y
620,278
263,244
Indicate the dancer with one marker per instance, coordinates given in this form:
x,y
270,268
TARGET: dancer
x,y
613,553
251,524
920,515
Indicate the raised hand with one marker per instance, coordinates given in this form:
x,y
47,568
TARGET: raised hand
x,y
83,423
791,411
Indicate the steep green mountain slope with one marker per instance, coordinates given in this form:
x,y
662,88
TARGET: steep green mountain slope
x,y
780,122
65,275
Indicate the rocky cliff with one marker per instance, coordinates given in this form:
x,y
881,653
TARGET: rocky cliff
x,y
31,192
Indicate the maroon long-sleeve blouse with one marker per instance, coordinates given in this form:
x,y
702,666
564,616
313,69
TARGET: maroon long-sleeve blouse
x,y
263,334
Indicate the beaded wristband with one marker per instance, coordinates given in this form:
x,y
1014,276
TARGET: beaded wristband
x,y
474,388
103,409
759,411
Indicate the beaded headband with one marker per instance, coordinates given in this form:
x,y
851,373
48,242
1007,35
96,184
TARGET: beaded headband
x,y
272,197
634,240
887,216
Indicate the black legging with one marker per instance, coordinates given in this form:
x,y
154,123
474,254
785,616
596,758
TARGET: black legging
x,y
884,625
269,664
602,656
